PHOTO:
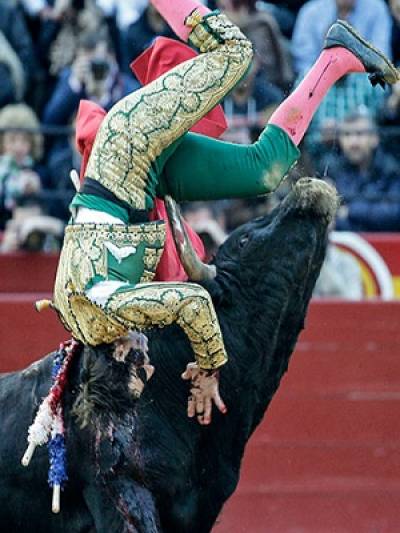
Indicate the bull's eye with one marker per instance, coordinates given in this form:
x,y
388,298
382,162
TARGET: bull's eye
x,y
243,241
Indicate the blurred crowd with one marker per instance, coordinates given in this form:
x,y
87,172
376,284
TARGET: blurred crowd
x,y
55,52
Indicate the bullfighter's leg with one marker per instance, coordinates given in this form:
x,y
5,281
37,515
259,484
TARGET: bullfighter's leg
x,y
345,52
161,304
221,170
177,12
144,124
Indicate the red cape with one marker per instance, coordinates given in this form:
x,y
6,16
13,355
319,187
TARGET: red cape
x,y
161,57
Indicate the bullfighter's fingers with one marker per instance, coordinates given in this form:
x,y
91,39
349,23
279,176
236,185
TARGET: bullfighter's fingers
x,y
207,411
219,402
199,405
190,371
191,408
201,420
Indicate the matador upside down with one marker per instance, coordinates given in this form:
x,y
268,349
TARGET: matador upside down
x,y
104,285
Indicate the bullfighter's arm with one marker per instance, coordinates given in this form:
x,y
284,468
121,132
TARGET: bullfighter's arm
x,y
202,168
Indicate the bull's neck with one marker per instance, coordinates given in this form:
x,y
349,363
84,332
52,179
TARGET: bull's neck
x,y
249,326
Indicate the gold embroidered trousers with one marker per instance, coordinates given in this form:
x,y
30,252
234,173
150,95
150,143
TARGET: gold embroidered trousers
x,y
93,253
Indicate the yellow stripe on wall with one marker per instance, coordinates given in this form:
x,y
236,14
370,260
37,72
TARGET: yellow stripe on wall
x,y
396,285
368,280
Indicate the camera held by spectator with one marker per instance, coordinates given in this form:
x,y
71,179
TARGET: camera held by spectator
x,y
94,75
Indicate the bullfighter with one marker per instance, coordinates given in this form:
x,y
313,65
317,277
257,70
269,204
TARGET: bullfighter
x,y
105,280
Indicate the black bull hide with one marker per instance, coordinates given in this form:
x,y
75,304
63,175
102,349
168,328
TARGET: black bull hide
x,y
146,466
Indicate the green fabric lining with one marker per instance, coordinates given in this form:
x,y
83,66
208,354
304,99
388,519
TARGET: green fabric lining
x,y
128,269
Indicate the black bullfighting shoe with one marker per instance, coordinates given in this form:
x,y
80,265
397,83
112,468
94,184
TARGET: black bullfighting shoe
x,y
378,66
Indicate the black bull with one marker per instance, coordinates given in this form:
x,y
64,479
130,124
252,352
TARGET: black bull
x,y
147,467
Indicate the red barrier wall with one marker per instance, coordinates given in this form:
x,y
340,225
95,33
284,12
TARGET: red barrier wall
x,y
326,458
26,335
26,272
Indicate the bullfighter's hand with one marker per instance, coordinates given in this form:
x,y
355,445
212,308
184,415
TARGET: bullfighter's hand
x,y
204,391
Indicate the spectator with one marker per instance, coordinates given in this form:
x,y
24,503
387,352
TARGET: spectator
x,y
31,230
249,107
119,16
140,34
62,158
55,26
94,75
391,108
12,87
292,5
21,175
395,35
60,31
124,12
37,10
390,113
372,19
22,179
240,211
284,17
271,49
209,222
367,178
17,60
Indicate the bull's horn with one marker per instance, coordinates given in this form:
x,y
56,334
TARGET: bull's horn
x,y
194,267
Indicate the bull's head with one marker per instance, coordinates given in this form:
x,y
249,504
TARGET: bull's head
x,y
296,227
283,250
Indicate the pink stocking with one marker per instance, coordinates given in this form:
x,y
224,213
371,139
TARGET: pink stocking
x,y
295,113
175,13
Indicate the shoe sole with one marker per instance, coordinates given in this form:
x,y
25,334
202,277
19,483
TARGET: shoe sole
x,y
394,74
